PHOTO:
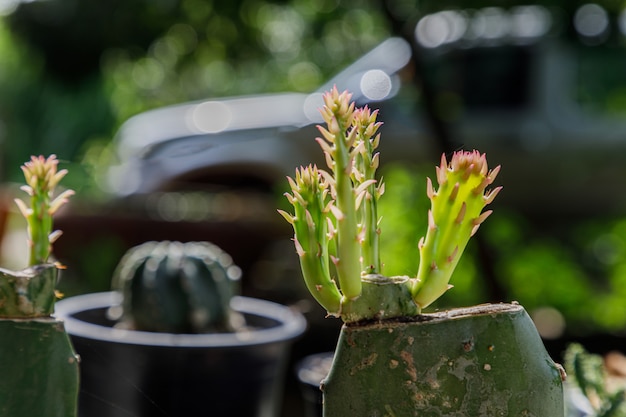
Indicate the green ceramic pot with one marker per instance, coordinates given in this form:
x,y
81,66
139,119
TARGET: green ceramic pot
x,y
486,360
38,364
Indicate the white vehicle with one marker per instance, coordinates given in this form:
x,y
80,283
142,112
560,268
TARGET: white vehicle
x,y
510,93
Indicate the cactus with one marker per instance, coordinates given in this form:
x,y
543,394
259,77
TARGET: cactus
x,y
392,359
42,177
336,225
177,287
31,292
587,371
38,363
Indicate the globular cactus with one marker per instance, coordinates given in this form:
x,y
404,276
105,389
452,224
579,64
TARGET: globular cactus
x,y
178,287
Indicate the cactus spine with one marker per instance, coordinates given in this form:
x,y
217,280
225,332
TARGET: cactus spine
x,y
177,287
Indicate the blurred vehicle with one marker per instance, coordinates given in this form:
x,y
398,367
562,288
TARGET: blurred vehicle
x,y
512,90
255,139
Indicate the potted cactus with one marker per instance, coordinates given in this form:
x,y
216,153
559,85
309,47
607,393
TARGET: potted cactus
x,y
174,338
592,391
175,287
392,358
38,363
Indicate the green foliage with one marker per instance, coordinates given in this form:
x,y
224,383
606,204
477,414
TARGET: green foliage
x,y
577,266
177,287
39,113
252,46
577,269
538,270
72,72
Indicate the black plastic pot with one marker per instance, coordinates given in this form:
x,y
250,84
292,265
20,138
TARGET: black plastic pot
x,y
134,373
310,372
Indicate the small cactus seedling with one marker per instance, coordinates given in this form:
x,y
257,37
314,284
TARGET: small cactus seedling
x,y
178,287
336,225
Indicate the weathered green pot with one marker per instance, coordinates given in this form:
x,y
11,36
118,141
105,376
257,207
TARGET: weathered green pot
x,y
38,364
485,360
28,293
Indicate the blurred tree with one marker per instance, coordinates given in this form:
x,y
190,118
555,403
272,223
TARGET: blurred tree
x,y
72,34
250,46
79,69
40,114
578,269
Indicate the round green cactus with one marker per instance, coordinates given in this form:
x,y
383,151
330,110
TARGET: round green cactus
x,y
177,287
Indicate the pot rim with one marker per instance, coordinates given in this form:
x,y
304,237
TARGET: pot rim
x,y
291,324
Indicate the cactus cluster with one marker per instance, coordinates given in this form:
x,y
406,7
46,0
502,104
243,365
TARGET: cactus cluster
x,y
177,287
337,228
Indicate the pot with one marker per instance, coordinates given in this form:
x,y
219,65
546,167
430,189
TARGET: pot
x,y
310,372
136,373
485,360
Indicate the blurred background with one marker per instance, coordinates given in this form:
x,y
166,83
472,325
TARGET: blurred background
x,y
111,87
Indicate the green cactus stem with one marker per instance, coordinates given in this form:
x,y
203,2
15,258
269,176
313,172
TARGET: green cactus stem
x,y
454,217
364,174
338,144
337,227
177,287
310,200
42,178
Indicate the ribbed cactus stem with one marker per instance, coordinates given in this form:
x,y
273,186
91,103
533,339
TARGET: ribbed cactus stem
x,y
454,217
42,178
369,188
312,233
337,143
178,287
